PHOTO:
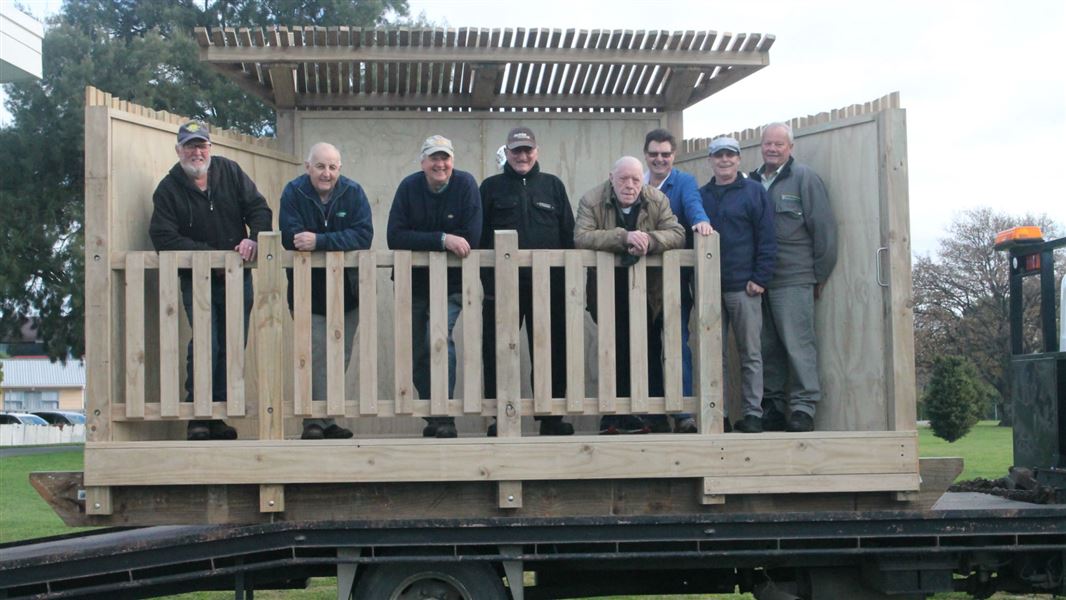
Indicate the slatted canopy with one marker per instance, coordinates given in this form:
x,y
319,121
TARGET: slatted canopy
x,y
481,69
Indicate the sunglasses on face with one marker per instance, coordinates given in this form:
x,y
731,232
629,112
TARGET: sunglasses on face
x,y
659,154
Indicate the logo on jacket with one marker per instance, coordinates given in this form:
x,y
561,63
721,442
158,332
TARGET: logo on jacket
x,y
342,213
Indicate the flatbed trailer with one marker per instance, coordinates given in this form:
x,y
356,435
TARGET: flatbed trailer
x,y
967,542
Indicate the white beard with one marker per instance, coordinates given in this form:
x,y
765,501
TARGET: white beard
x,y
194,172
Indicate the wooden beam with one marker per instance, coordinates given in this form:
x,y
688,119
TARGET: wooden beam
x,y
283,80
319,101
485,79
246,81
724,79
680,87
726,457
460,54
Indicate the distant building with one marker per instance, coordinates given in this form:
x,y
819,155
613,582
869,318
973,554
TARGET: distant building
x,y
38,384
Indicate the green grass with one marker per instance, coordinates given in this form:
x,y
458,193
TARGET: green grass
x,y
987,452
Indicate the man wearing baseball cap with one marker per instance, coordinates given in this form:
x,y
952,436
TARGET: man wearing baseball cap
x,y
208,203
533,203
742,216
436,209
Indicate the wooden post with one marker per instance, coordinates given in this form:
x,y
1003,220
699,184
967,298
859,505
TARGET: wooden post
x,y
368,333
672,367
438,333
301,334
708,359
201,334
403,385
575,332
508,375
234,335
638,335
169,341
605,330
269,311
335,334
542,340
134,335
472,334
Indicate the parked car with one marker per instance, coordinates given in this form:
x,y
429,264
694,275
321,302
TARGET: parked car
x,y
21,419
61,417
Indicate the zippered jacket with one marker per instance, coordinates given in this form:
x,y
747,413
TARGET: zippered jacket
x,y
741,214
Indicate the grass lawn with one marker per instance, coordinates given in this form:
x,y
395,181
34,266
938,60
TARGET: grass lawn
x,y
987,452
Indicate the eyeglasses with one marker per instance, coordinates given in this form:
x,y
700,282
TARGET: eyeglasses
x,y
194,147
659,154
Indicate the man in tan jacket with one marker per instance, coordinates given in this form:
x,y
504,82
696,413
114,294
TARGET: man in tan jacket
x,y
625,216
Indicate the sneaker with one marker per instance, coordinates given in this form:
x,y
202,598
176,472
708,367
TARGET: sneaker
x,y
491,431
198,431
773,420
556,426
312,432
336,432
220,431
800,421
749,424
686,425
430,430
446,430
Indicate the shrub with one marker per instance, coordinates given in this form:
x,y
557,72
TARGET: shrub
x,y
954,397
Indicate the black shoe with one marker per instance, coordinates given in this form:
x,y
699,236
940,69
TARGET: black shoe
x,y
686,425
491,431
556,426
198,431
312,432
749,424
430,430
800,421
446,430
336,432
773,420
657,424
221,431
727,427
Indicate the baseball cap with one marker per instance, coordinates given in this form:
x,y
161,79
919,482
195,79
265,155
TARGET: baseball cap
x,y
723,143
521,137
435,144
193,130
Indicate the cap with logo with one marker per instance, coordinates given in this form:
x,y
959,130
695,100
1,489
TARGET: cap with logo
x,y
193,130
521,137
435,144
723,143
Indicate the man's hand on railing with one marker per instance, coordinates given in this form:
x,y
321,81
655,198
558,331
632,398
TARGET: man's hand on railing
x,y
247,249
638,242
703,228
304,241
457,245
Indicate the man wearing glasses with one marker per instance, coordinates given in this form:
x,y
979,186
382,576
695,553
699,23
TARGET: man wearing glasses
x,y
208,203
660,149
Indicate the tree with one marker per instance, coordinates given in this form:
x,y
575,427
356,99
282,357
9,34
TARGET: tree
x,y
953,398
961,300
142,51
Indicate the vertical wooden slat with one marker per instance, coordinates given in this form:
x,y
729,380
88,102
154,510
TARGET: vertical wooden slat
x,y
403,386
99,305
272,498
201,334
438,333
335,334
672,330
575,332
508,374
472,334
605,330
135,335
301,334
169,341
368,333
542,349
638,335
269,314
234,335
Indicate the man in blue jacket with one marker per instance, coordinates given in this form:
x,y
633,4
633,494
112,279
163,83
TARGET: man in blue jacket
x,y
324,211
741,213
435,209
660,149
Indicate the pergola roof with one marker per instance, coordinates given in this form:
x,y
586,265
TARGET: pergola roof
x,y
482,69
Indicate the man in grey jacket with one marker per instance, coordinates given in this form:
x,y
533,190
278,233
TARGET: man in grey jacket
x,y
806,255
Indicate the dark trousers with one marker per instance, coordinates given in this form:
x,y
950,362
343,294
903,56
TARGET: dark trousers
x,y
218,331
525,315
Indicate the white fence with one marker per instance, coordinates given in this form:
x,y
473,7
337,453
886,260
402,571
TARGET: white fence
x,y
38,435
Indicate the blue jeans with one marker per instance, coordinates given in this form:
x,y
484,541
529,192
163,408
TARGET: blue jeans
x,y
218,331
420,345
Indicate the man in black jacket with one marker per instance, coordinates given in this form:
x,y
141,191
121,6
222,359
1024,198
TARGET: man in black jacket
x,y
208,203
535,204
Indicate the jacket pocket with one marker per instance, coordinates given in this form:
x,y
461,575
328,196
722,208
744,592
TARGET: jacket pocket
x,y
789,218
504,213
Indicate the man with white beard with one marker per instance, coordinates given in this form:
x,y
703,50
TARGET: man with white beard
x,y
208,203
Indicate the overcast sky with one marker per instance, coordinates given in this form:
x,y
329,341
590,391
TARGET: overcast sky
x,y
979,79
982,81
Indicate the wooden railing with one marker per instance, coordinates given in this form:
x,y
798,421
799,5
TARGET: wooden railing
x,y
141,404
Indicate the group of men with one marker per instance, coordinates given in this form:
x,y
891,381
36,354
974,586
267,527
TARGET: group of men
x,y
777,235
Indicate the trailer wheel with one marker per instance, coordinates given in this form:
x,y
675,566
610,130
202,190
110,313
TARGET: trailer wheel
x,y
431,581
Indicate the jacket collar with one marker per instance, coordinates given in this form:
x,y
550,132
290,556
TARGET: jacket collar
x,y
785,171
510,172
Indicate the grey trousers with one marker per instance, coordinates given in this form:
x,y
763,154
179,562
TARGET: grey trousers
x,y
744,313
318,357
790,349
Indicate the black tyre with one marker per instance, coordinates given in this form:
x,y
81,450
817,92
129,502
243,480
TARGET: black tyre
x,y
431,581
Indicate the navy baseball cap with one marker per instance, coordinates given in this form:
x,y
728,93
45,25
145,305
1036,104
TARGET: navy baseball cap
x,y
193,130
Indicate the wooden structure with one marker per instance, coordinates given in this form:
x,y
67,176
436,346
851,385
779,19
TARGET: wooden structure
x,y
136,331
